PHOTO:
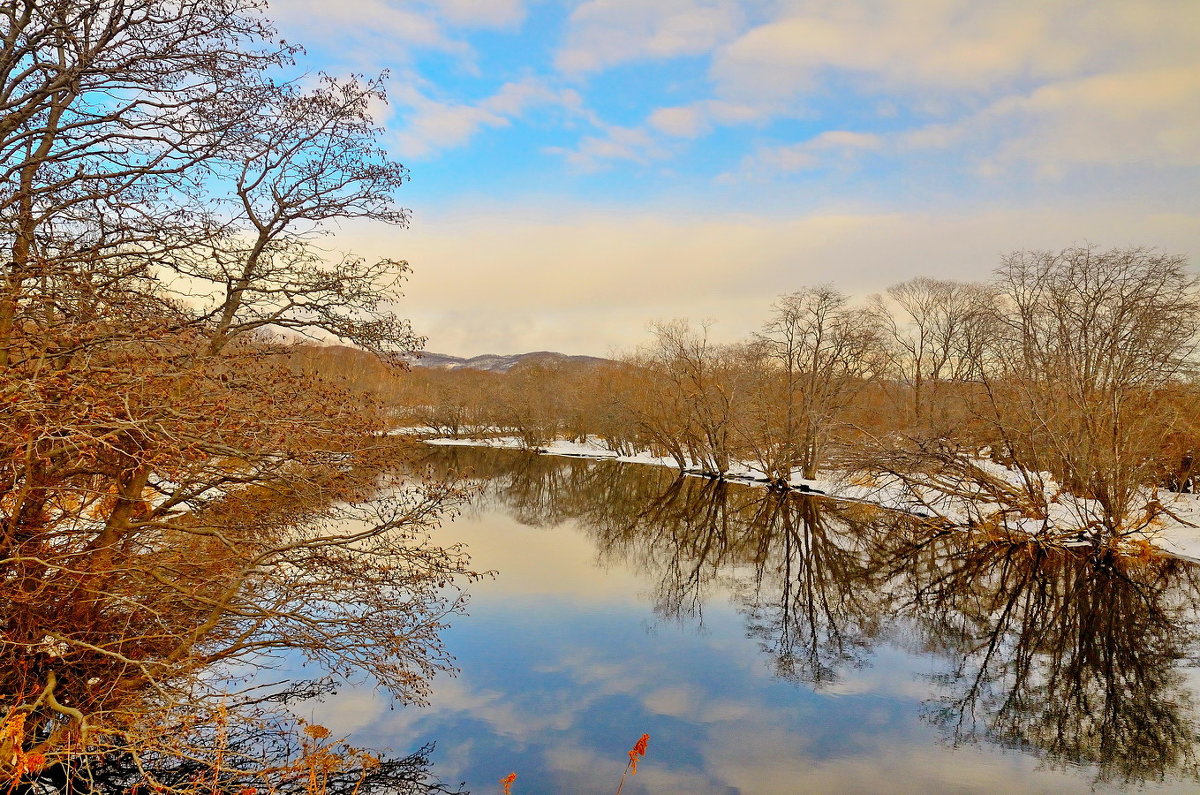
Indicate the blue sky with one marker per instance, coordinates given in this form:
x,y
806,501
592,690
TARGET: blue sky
x,y
581,169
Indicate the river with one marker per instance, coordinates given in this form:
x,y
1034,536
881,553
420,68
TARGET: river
x,y
781,644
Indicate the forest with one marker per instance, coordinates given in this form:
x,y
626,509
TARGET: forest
x,y
1057,400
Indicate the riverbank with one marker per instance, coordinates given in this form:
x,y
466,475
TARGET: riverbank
x,y
1177,534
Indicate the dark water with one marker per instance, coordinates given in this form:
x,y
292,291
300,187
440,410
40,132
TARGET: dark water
x,y
776,644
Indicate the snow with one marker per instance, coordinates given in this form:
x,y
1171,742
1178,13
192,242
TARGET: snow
x,y
1173,535
414,430
739,471
589,449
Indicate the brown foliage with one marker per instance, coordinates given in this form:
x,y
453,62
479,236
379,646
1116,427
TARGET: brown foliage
x,y
1072,370
178,498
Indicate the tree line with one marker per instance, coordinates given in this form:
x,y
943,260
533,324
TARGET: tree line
x,y
1057,396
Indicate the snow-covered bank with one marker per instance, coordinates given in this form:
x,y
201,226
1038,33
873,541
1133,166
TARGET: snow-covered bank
x,y
893,496
1177,536
737,473
1178,539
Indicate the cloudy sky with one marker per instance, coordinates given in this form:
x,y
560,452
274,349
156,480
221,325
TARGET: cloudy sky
x,y
581,169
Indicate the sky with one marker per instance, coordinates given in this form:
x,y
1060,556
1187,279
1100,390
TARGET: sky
x,y
584,168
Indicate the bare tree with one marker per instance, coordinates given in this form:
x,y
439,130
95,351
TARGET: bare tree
x,y
173,494
106,107
302,160
1085,340
823,352
1072,351
932,337
707,383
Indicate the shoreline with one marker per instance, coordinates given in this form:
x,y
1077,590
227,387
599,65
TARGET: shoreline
x,y
1175,540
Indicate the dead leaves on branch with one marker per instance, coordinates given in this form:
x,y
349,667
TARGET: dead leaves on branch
x,y
166,512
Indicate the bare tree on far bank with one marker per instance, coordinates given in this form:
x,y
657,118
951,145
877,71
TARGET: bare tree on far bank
x,y
1055,398
932,330
1073,355
818,354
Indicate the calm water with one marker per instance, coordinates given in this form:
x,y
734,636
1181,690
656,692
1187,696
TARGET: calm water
x,y
785,644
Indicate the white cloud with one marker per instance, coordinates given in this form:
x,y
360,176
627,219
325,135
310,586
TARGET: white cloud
x,y
498,279
513,98
595,152
698,118
1020,82
435,126
402,22
677,701
952,46
431,126
366,30
482,13
846,139
680,122
832,147
641,144
1149,119
602,33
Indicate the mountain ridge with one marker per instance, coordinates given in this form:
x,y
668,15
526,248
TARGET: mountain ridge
x,y
495,362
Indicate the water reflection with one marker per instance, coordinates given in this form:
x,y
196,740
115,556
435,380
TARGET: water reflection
x,y
1077,660
149,661
121,773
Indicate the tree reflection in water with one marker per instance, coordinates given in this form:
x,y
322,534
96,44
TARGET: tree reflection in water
x,y
1080,660
274,752
1077,658
159,671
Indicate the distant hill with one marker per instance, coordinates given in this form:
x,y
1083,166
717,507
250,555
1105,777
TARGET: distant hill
x,y
497,363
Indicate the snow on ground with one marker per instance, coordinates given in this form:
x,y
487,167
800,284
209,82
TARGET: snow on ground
x,y
588,449
1172,535
893,495
414,430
